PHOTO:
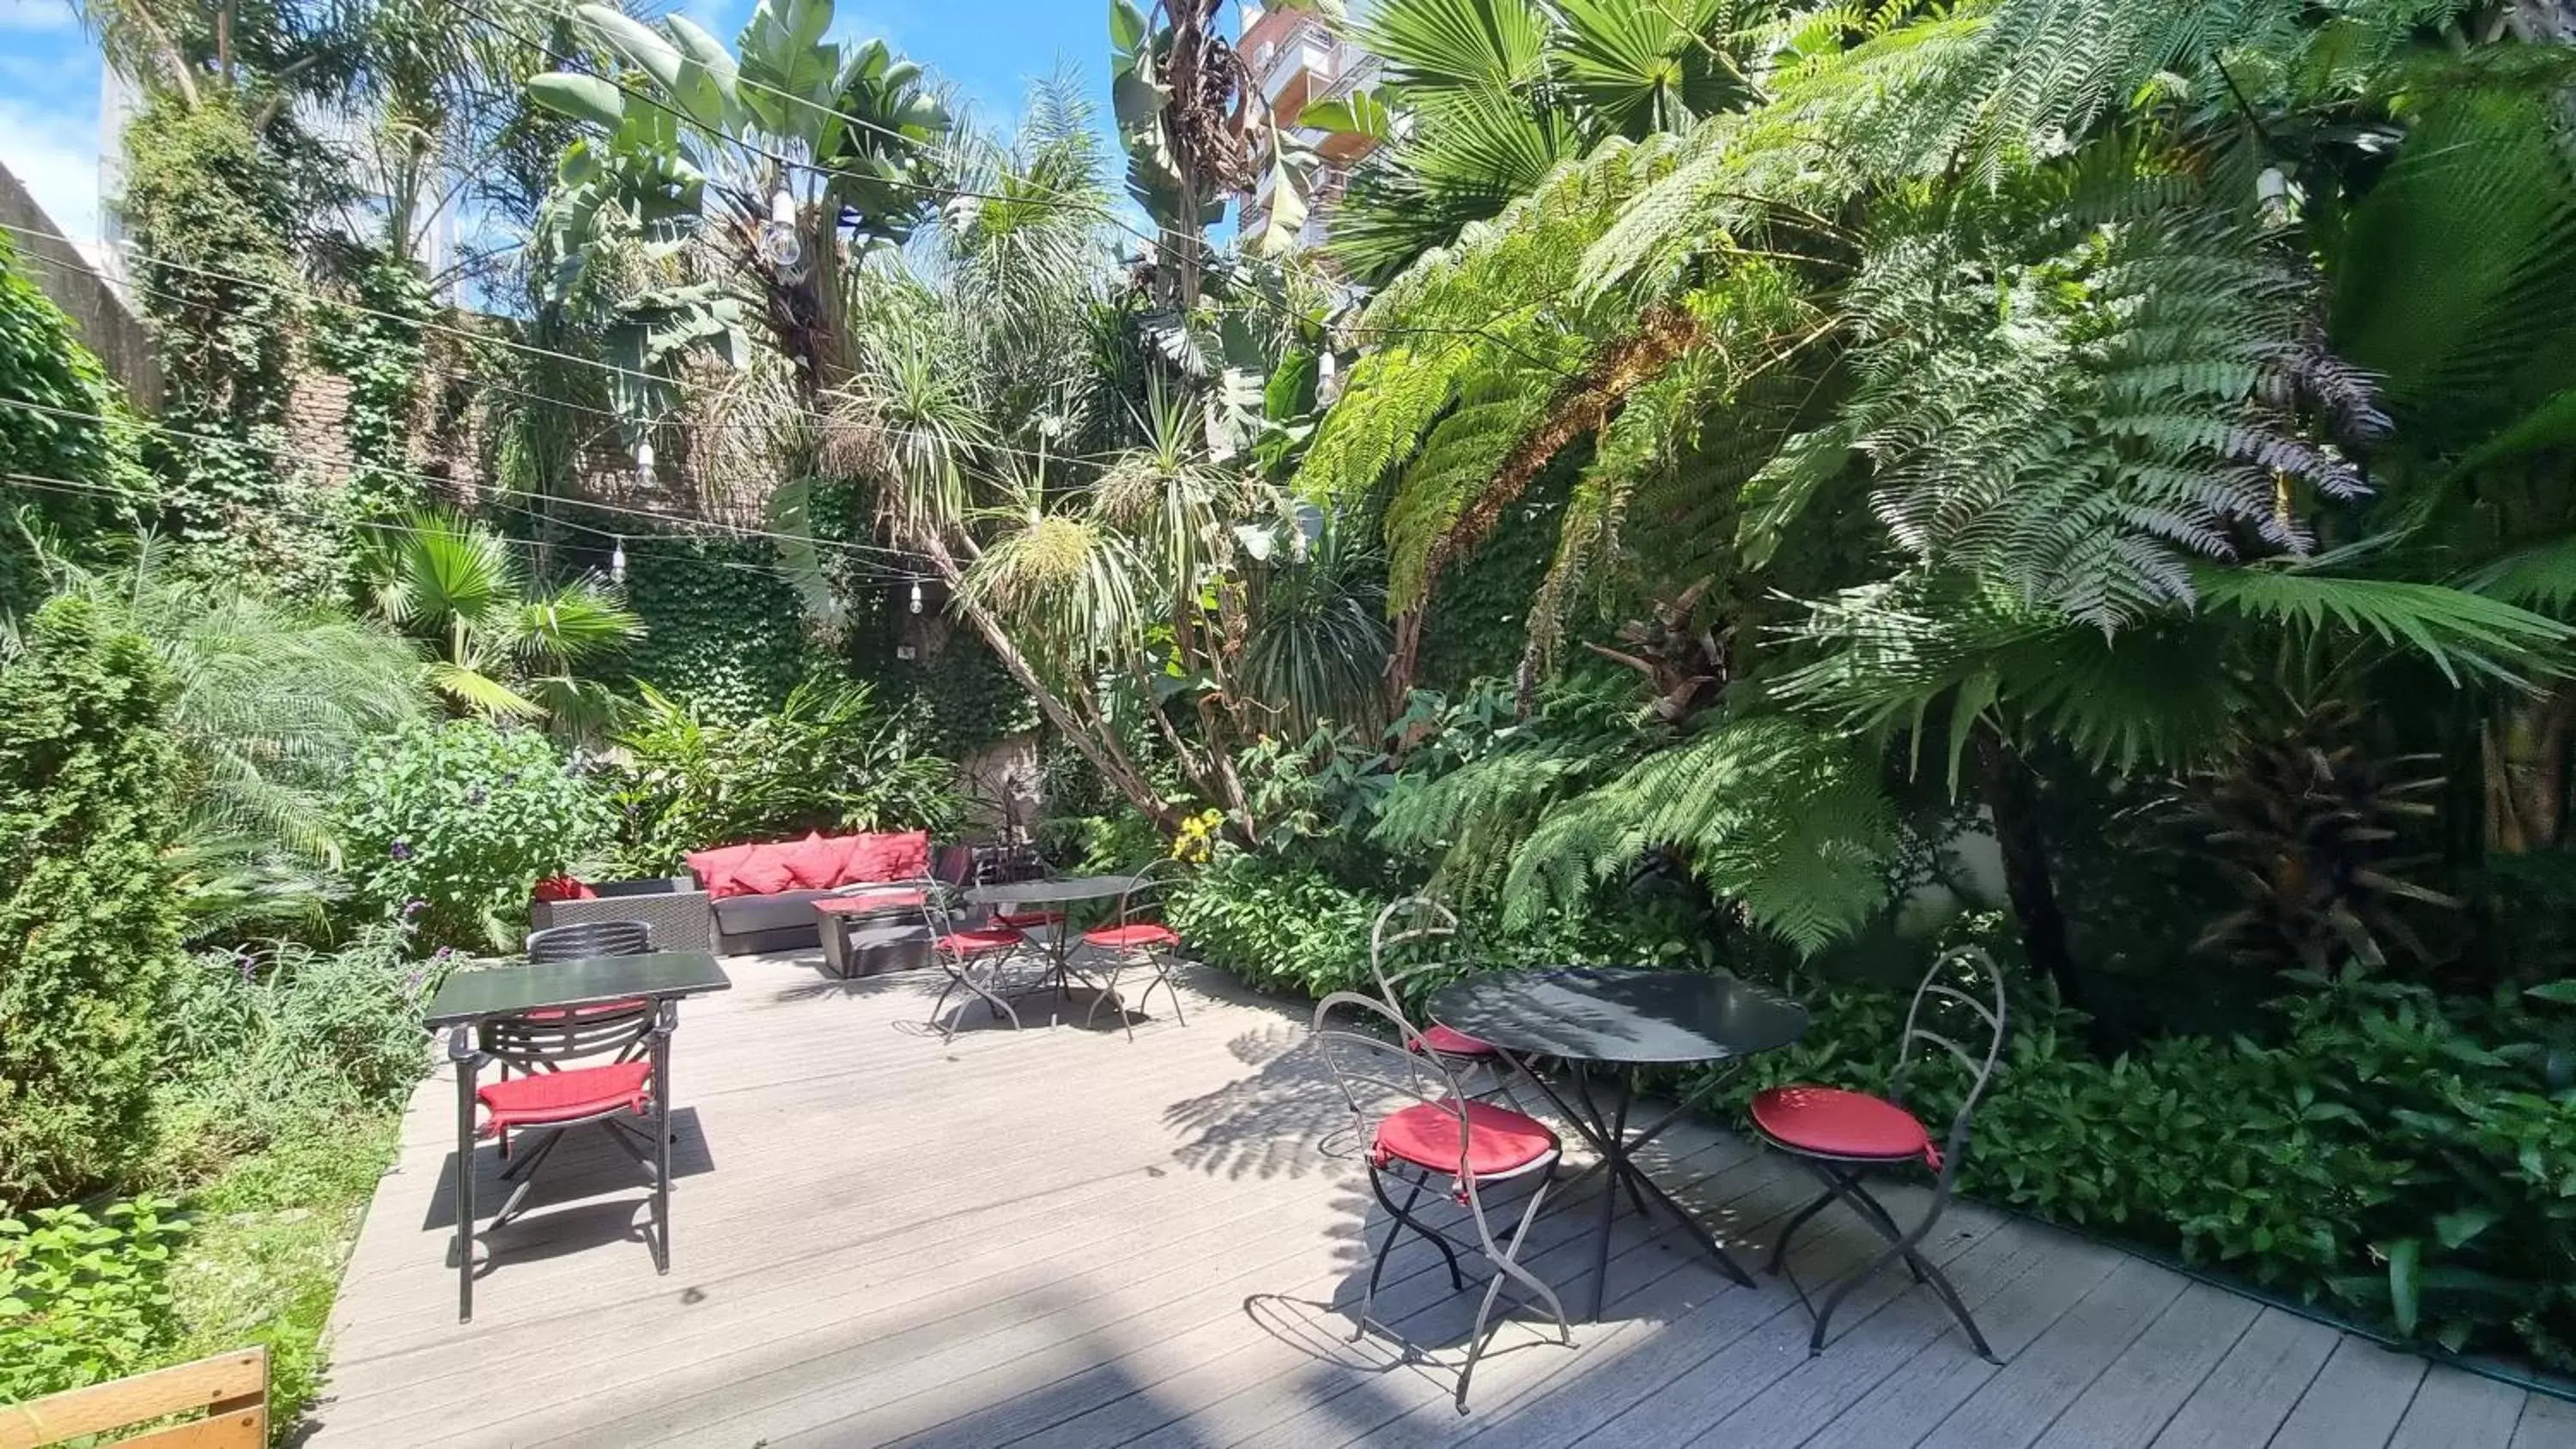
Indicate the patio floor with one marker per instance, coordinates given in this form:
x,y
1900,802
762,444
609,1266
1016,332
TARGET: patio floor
x,y
1059,1237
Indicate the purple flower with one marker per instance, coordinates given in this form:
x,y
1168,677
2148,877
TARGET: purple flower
x,y
413,907
248,967
474,796
399,850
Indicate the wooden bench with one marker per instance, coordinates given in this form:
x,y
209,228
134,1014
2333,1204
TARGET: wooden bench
x,y
228,1394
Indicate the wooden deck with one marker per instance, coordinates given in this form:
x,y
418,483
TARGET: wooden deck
x,y
1063,1238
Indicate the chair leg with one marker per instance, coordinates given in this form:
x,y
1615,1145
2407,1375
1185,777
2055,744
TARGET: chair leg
x,y
1506,1260
1377,1266
1902,1245
1780,1248
1404,1215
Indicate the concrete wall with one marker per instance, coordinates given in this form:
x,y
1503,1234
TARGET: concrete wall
x,y
106,327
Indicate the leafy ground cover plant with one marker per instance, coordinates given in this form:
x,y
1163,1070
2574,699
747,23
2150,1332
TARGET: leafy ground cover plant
x,y
82,1297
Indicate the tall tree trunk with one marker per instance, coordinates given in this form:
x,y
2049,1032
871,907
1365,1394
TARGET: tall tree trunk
x,y
2012,795
1101,751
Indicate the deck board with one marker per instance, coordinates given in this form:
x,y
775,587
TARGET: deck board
x,y
1059,1239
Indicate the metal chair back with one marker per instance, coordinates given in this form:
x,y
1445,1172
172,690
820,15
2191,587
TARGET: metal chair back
x,y
1962,996
1397,941
590,938
1141,899
539,1043
1362,1041
1007,864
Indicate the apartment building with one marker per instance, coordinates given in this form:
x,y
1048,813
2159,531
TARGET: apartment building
x,y
1295,61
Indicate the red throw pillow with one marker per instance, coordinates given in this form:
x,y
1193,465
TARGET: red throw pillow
x,y
816,862
888,857
564,888
766,873
715,869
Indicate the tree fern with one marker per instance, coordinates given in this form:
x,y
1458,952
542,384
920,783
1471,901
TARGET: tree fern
x,y
1784,818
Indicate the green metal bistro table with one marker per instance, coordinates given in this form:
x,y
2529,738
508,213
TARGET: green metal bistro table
x,y
470,998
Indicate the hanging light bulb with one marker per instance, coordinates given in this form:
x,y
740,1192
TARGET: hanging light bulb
x,y
916,596
644,463
617,562
778,239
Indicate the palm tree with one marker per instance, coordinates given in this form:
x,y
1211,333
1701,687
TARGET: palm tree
x,y
499,645
270,703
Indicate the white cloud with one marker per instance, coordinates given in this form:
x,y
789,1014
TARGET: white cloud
x,y
37,15
56,157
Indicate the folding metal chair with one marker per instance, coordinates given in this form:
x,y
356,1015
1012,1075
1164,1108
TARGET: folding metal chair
x,y
1396,957
1139,939
1010,864
1843,1136
976,958
1440,1132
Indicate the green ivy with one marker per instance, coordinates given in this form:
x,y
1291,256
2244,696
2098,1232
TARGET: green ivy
x,y
961,698
723,630
377,345
89,918
42,363
209,210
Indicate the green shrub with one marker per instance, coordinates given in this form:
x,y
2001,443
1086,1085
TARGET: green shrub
x,y
89,919
456,823
2400,1157
265,1045
828,759
1277,924
83,1299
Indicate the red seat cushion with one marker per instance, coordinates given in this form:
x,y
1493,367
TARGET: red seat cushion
x,y
816,862
542,1097
1450,1042
969,943
563,888
1499,1140
869,902
1027,920
1831,1122
1143,933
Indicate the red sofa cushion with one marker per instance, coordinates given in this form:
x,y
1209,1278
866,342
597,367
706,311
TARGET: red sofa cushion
x,y
564,888
766,872
887,857
816,862
716,869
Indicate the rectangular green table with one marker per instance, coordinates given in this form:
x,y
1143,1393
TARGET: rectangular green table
x,y
470,998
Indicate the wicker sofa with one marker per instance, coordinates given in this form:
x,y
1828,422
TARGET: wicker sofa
x,y
772,909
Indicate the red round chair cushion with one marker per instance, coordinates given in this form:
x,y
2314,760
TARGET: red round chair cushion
x,y
969,943
1831,1122
568,1096
1450,1042
1144,933
1499,1140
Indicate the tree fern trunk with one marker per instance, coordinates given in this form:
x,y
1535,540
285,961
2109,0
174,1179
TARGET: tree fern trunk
x,y
2012,794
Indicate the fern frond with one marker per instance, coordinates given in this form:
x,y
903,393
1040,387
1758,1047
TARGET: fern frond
x,y
1784,818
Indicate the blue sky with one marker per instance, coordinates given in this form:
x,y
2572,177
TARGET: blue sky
x,y
992,49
